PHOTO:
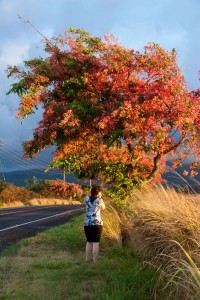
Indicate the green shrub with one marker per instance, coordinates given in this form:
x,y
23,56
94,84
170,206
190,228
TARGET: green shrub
x,y
54,188
36,185
2,185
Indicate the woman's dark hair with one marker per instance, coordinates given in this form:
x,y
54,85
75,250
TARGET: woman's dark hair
x,y
94,192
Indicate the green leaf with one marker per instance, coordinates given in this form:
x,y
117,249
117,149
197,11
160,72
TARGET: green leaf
x,y
18,88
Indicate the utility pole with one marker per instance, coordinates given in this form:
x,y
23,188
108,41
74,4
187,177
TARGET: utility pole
x,y
1,148
64,175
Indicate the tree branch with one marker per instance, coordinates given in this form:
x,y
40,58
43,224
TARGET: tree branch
x,y
155,167
159,155
27,21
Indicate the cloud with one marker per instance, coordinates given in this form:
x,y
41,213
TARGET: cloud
x,y
12,130
13,53
171,23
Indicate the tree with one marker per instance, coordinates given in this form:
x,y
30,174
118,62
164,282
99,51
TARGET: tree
x,y
110,111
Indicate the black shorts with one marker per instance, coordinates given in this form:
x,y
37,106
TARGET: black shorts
x,y
93,233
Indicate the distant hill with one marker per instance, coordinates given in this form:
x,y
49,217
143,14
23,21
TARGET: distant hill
x,y
176,178
19,177
173,177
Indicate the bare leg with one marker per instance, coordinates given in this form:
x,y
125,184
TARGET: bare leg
x,y
95,251
88,251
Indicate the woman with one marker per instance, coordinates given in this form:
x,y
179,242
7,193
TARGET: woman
x,y
93,223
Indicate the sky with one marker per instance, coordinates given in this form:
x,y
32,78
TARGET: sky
x,y
171,23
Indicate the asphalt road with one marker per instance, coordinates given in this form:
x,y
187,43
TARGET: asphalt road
x,y
21,222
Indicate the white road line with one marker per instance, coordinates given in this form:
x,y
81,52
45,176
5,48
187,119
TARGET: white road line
x,y
25,210
66,212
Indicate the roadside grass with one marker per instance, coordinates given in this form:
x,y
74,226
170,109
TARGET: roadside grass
x,y
166,225
159,229
51,266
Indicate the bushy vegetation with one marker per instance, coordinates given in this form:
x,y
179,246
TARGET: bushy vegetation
x,y
165,226
65,189
55,188
12,194
36,185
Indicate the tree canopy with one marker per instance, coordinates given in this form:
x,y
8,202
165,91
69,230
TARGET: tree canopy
x,y
110,111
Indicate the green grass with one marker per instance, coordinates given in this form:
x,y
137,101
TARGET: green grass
x,y
51,266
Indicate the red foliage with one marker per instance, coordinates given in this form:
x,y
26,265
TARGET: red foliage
x,y
104,103
65,189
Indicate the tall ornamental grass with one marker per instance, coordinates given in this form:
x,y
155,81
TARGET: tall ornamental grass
x,y
165,226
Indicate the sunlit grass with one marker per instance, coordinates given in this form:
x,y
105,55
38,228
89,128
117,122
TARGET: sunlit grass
x,y
166,226
163,225
149,250
51,265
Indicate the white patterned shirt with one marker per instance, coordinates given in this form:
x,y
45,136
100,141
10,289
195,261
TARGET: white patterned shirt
x,y
93,212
